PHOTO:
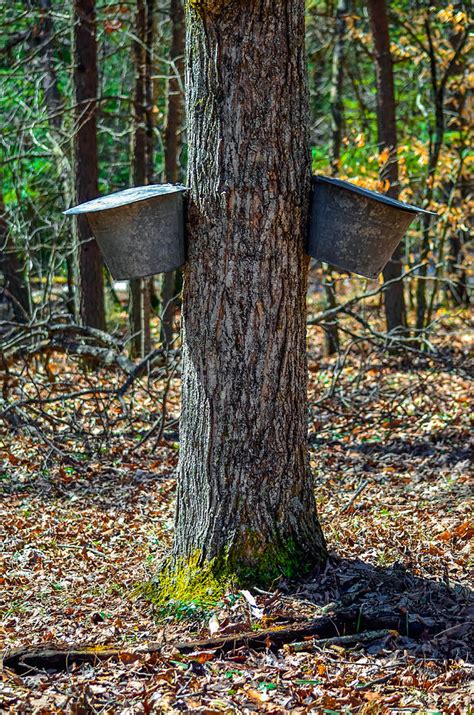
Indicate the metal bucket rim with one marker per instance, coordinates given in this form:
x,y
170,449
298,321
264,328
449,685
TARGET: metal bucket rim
x,y
125,197
362,273
373,195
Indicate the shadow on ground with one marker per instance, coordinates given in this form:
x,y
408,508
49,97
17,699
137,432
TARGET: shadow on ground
x,y
455,446
434,620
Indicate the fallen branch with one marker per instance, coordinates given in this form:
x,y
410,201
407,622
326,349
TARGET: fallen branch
x,y
363,485
57,657
144,365
344,307
350,622
325,630
377,681
37,335
353,639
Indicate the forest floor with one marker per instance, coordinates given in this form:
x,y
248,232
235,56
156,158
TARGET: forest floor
x,y
390,450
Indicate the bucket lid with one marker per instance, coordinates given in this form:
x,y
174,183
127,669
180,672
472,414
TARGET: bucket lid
x,y
368,194
122,198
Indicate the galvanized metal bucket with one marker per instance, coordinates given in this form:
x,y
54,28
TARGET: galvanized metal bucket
x,y
355,229
140,231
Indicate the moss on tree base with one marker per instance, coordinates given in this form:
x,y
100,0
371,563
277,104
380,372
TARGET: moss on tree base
x,y
204,583
185,581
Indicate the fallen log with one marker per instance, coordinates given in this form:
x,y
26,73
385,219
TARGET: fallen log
x,y
344,627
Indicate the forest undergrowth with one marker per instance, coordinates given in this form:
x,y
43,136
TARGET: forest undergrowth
x,y
87,514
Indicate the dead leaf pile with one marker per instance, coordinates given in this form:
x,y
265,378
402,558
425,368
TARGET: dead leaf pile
x,y
391,451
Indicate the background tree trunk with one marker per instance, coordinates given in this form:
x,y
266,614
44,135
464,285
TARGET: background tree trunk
x,y
438,87
395,313
331,333
458,105
149,94
140,287
458,290
337,84
91,294
44,41
245,493
13,282
171,283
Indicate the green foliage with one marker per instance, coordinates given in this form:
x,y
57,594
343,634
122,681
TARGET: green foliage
x,y
36,153
115,30
36,157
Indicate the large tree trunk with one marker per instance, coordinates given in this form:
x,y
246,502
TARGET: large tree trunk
x,y
395,313
91,299
174,123
245,493
140,287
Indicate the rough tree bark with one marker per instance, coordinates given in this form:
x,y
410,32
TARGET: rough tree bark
x,y
394,301
91,294
245,498
174,123
139,309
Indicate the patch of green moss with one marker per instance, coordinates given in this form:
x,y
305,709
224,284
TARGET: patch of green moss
x,y
189,583
261,566
190,587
